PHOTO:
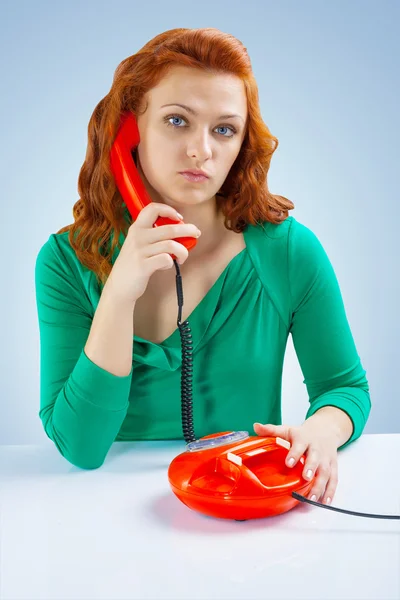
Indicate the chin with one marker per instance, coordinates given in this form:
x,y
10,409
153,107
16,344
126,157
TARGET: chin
x,y
187,199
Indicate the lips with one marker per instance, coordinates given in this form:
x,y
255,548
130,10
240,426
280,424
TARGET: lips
x,y
195,172
194,178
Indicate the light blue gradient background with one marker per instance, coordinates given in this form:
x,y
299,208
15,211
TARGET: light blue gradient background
x,y
328,76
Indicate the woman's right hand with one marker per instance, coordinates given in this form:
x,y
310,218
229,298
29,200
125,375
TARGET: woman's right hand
x,y
147,249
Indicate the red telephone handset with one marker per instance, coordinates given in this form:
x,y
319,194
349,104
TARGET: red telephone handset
x,y
127,178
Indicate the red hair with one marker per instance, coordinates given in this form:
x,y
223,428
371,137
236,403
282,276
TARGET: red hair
x,y
244,197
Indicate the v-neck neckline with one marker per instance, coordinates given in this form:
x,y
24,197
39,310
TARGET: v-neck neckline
x,y
205,298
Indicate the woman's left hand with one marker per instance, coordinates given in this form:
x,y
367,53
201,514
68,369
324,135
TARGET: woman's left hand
x,y
319,446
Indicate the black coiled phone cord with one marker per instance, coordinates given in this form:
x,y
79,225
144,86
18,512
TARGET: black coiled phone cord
x,y
187,365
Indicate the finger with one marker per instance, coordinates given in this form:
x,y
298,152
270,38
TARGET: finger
x,y
298,448
332,484
272,430
170,232
150,213
311,464
321,480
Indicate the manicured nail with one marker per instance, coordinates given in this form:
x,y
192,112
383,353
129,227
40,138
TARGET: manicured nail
x,y
180,216
291,462
309,474
328,500
313,497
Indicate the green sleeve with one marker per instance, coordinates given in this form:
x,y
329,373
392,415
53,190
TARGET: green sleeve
x,y
82,406
321,334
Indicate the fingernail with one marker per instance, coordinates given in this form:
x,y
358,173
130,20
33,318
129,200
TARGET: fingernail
x,y
328,500
180,216
309,474
313,497
291,462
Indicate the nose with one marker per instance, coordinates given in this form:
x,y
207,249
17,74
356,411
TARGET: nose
x,y
199,147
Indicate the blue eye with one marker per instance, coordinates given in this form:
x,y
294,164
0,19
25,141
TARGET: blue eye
x,y
224,128
168,119
174,124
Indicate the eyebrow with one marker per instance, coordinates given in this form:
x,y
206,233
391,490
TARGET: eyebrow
x,y
193,112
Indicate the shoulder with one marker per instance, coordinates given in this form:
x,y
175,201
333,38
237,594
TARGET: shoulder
x,y
291,229
300,244
57,256
290,258
60,278
309,269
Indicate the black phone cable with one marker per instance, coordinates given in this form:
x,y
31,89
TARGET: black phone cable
x,y
342,510
187,365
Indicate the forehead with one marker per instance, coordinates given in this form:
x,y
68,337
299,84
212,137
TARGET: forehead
x,y
202,91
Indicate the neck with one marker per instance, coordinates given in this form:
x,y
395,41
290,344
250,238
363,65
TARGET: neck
x,y
209,220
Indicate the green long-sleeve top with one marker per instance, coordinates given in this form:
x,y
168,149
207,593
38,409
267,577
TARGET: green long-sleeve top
x,y
281,283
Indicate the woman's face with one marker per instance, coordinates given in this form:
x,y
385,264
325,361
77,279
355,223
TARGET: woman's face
x,y
173,139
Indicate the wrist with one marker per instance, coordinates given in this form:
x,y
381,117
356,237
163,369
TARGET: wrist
x,y
112,295
336,421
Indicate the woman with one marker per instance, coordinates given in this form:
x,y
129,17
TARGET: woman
x,y
106,295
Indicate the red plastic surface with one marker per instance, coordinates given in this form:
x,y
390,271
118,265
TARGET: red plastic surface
x,y
242,480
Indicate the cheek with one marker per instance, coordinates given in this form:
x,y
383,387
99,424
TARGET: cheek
x,y
157,153
229,160
151,158
158,166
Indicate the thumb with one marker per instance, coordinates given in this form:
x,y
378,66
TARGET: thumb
x,y
272,430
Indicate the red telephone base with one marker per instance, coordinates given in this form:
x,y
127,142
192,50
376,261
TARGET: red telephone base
x,y
232,475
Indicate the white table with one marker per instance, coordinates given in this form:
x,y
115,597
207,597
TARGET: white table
x,y
119,533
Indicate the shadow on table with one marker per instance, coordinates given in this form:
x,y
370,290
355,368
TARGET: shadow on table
x,y
172,514
123,457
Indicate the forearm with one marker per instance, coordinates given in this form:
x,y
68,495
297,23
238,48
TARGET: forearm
x,y
330,418
91,407
110,341
87,414
85,360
